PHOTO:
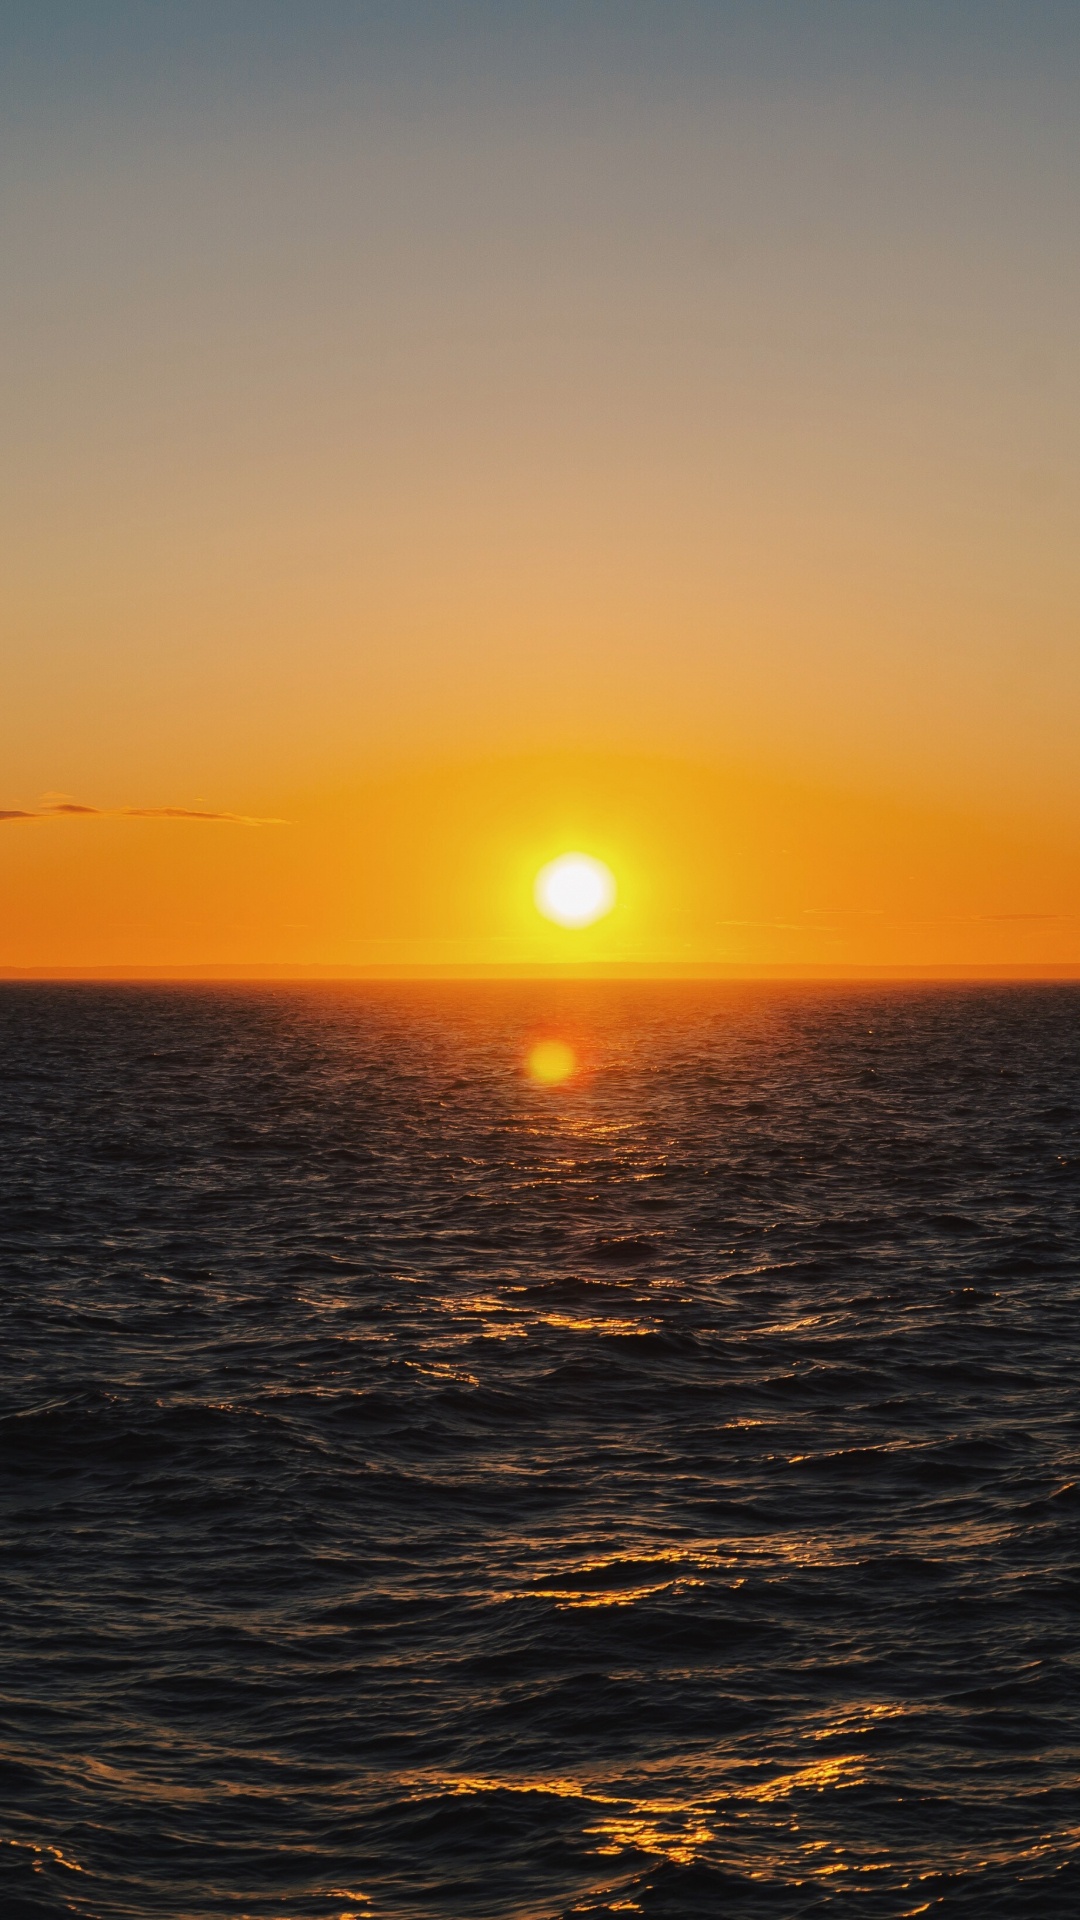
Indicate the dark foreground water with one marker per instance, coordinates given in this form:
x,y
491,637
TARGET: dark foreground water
x,y
426,1493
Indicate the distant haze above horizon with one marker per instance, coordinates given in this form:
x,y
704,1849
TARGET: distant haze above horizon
x,y
445,435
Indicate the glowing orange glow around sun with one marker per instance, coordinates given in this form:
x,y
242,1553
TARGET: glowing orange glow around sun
x,y
575,890
551,1062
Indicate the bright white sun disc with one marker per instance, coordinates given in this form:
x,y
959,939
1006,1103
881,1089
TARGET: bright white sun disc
x,y
575,890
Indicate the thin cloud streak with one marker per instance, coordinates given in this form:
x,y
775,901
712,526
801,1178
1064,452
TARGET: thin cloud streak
x,y
190,813
71,809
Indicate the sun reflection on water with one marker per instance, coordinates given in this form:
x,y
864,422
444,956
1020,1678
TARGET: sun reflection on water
x,y
551,1062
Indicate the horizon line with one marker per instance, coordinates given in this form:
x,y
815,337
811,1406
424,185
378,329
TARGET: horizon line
x,y
285,971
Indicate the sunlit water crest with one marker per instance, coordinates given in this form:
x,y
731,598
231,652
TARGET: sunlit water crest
x,y
431,1491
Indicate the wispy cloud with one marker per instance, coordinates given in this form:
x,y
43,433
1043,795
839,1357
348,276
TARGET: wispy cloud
x,y
192,813
72,809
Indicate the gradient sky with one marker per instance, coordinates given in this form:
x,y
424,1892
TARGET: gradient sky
x,y
459,431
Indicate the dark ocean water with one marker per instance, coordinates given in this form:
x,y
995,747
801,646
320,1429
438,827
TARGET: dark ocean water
x,y
430,1494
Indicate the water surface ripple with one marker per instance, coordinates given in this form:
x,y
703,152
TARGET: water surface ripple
x,y
430,1494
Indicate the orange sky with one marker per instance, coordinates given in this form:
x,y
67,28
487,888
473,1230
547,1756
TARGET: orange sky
x,y
436,867
457,441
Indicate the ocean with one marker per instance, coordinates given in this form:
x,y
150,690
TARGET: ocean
x,y
429,1493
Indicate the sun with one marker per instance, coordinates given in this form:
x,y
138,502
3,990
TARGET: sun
x,y
575,890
